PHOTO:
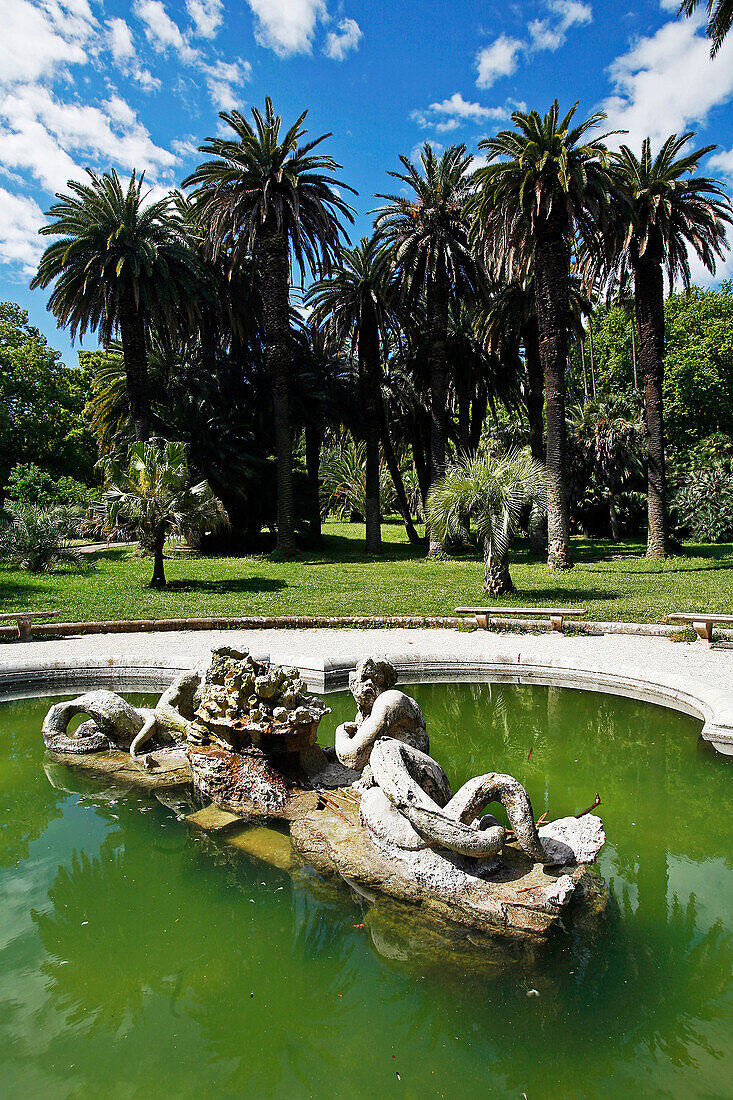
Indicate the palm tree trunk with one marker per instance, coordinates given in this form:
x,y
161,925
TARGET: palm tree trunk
x,y
437,316
312,464
592,357
478,415
371,403
158,580
535,404
649,296
552,289
135,353
274,270
463,387
497,579
613,517
421,458
394,471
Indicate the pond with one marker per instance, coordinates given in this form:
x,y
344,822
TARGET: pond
x,y
142,958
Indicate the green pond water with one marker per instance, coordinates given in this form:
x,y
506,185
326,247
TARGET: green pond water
x,y
143,959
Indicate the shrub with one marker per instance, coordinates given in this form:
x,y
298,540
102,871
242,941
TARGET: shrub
x,y
29,484
705,504
35,538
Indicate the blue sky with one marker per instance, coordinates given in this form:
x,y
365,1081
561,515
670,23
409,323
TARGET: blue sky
x,y
106,82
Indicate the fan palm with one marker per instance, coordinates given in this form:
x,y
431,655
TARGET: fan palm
x,y
355,306
264,197
609,437
36,538
153,496
494,493
121,264
720,19
661,213
545,184
427,235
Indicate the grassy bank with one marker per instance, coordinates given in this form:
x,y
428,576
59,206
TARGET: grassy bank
x,y
613,581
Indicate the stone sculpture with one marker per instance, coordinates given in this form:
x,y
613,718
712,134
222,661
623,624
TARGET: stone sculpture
x,y
382,712
112,723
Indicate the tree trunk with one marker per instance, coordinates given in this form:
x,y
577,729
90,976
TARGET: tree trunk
x,y
158,580
592,357
497,579
649,296
312,463
463,387
394,471
535,404
437,317
633,349
478,415
552,289
585,375
613,517
421,458
371,404
274,270
135,353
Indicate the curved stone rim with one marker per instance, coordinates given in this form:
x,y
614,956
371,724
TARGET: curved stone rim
x,y
713,706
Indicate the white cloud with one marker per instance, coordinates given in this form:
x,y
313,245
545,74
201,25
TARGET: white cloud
x,y
341,42
38,41
20,244
667,81
223,81
453,112
502,56
119,37
42,133
722,162
161,32
497,60
287,26
206,16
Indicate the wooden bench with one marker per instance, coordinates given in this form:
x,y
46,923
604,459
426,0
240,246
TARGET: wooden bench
x,y
556,615
702,622
25,620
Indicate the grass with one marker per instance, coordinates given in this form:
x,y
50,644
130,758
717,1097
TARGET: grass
x,y
612,581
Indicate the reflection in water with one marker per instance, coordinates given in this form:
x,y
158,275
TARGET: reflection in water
x,y
159,960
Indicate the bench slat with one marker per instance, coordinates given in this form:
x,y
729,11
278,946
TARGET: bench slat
x,y
29,615
700,617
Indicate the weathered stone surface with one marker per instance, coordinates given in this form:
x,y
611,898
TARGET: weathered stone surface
x,y
381,712
261,842
572,839
172,771
113,721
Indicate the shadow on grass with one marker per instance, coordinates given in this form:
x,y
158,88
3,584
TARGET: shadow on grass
x,y
225,587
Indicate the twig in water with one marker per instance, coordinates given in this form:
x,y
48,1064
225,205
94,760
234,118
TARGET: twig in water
x,y
590,808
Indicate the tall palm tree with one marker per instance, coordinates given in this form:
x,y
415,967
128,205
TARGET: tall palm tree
x,y
121,264
661,213
355,306
545,184
428,237
272,199
720,19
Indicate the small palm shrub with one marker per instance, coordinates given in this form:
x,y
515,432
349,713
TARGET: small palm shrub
x,y
494,493
35,538
705,504
343,481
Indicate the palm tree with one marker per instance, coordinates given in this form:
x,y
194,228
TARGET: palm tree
x,y
427,235
494,494
545,184
720,19
121,264
661,213
153,496
36,538
355,306
609,437
270,199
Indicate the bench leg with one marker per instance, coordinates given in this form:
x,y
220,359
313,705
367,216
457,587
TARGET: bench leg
x,y
556,622
25,630
482,621
704,630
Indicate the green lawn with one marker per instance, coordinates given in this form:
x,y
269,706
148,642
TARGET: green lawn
x,y
612,581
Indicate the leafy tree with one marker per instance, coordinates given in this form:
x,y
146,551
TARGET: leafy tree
x,y
546,183
355,305
41,403
660,213
720,19
153,496
427,235
28,484
262,197
35,538
494,493
121,264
